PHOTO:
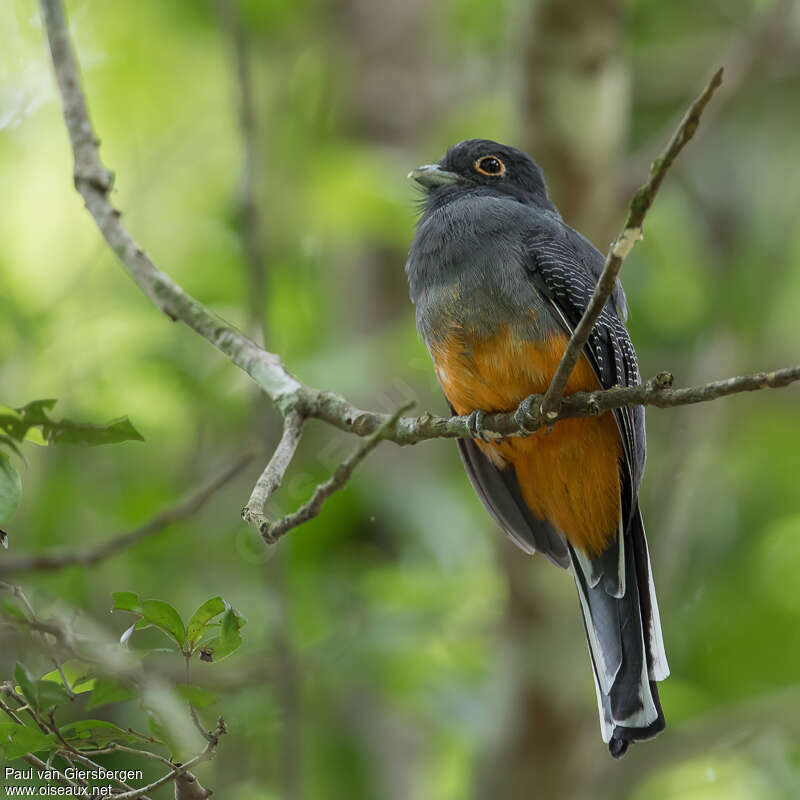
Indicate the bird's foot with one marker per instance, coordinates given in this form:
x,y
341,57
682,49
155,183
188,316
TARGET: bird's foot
x,y
475,426
525,415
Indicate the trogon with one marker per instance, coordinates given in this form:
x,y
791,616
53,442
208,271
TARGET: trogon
x,y
499,281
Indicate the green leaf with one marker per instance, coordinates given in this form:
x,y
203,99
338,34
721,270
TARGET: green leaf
x,y
41,694
23,740
118,430
199,698
165,617
126,601
26,684
227,642
10,488
97,732
18,422
200,619
50,694
108,690
76,674
35,436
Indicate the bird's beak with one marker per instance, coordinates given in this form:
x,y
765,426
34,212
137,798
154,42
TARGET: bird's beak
x,y
432,175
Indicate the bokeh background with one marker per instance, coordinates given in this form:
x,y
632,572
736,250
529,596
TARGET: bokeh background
x,y
398,646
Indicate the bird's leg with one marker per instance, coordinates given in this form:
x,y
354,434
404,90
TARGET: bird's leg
x,y
475,426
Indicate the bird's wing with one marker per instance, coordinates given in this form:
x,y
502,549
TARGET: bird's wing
x,y
616,589
565,269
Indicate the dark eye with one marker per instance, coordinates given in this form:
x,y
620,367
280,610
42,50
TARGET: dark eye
x,y
490,165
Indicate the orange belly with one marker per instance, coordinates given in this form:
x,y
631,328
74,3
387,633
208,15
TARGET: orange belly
x,y
569,475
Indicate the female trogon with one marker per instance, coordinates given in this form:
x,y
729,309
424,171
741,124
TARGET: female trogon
x,y
499,281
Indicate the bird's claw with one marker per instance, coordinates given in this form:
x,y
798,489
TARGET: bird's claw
x,y
475,425
524,415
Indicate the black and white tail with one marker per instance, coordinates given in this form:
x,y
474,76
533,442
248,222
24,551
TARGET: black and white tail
x,y
620,614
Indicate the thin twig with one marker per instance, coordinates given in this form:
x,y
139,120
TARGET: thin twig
x,y
84,759
208,736
742,58
622,245
185,508
65,757
51,716
65,683
10,712
9,691
94,182
115,747
273,473
58,776
273,531
208,752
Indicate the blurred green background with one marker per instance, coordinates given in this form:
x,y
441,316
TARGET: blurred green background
x,y
397,646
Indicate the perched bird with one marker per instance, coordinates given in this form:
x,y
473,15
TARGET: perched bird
x,y
499,281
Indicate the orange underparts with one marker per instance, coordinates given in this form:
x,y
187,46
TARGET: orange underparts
x,y
569,476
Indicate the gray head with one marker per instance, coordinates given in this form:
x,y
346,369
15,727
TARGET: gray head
x,y
482,167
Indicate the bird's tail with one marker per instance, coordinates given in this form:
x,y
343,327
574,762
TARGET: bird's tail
x,y
620,614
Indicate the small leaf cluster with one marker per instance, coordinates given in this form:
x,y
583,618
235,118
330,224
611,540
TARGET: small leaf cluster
x,y
32,423
213,632
35,702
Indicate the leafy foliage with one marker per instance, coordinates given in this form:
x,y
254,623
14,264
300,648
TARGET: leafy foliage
x,y
31,423
161,615
47,697
22,423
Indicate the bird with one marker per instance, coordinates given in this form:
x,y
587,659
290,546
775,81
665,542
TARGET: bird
x,y
499,281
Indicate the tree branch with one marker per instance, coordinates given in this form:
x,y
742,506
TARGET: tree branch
x,y
273,531
741,59
655,392
622,245
192,504
208,752
272,476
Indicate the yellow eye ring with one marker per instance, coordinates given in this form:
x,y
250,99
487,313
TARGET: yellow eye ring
x,y
491,166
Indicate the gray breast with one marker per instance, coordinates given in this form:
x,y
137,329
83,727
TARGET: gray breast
x,y
467,266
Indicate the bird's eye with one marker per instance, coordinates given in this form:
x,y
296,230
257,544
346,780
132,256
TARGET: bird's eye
x,y
490,165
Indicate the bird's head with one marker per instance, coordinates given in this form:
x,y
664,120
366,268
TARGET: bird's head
x,y
481,166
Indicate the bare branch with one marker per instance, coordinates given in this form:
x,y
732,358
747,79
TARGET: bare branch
x,y
741,59
273,474
59,777
93,181
655,392
208,752
273,531
10,712
622,245
187,787
186,508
